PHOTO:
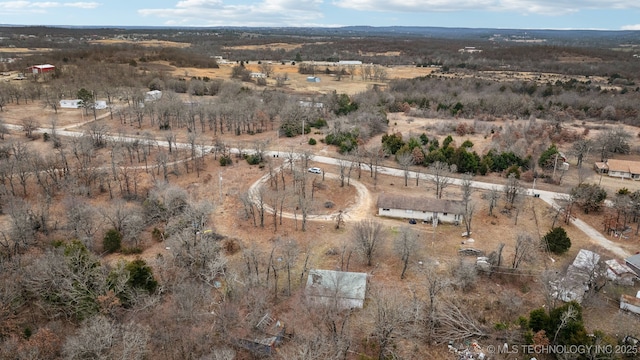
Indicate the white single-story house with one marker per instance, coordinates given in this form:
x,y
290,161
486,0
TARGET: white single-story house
x,y
311,104
258,75
578,279
470,50
153,95
349,62
625,169
313,79
346,290
77,103
100,105
71,104
420,208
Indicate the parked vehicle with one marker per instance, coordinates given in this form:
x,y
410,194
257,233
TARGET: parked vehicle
x,y
315,170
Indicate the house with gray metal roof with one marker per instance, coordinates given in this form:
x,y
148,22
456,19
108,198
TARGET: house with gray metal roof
x,y
420,208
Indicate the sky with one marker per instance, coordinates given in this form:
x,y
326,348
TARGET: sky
x,y
503,14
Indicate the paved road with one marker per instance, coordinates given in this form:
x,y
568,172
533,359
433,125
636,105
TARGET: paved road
x,y
547,196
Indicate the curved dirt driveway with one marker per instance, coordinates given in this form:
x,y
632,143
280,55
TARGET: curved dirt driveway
x,y
357,211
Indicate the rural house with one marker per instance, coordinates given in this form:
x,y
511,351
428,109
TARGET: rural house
x,y
420,208
71,104
579,278
634,263
346,289
313,79
625,169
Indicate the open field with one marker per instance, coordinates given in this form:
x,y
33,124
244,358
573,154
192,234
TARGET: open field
x,y
149,43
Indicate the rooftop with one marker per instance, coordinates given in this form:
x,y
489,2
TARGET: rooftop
x,y
418,203
347,289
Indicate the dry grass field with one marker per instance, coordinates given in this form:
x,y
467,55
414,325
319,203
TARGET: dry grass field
x,y
149,43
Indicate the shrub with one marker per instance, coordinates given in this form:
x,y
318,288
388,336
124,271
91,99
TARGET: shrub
x,y
513,169
231,246
112,241
557,241
225,160
312,141
157,234
253,159
319,123
141,276
346,141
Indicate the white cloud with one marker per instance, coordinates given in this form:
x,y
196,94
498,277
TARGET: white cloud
x,y
33,6
10,5
631,27
260,13
82,5
541,7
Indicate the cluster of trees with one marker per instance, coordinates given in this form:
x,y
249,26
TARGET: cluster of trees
x,y
423,151
433,96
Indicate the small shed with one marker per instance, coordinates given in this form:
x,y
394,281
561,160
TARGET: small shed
x,y
346,289
313,79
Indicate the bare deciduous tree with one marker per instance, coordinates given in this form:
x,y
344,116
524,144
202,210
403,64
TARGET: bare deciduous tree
x,y
405,245
29,125
367,238
469,205
455,322
441,176
492,198
405,160
613,141
436,284
101,338
525,250
512,191
580,149
390,313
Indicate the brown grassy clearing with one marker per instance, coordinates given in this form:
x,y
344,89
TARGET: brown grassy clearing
x,y
23,50
148,43
271,46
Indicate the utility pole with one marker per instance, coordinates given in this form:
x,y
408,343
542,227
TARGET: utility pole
x,y
220,185
555,165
